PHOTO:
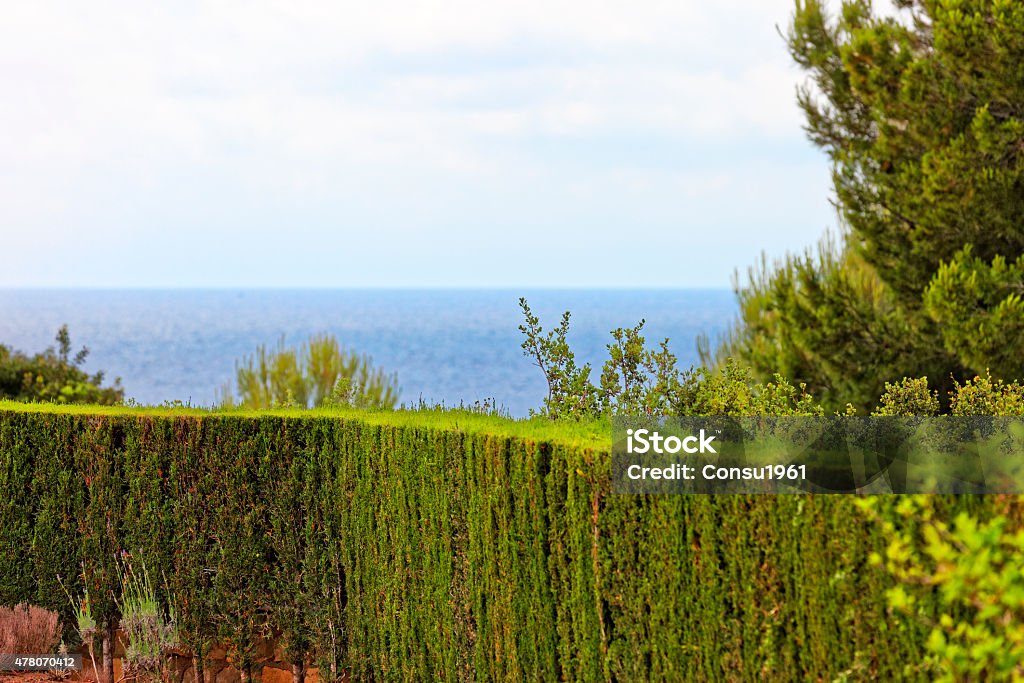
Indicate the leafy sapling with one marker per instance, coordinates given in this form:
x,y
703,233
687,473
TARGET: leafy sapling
x,y
570,391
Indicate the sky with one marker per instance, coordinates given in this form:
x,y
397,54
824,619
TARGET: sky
x,y
508,143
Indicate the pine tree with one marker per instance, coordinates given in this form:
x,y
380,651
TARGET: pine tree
x,y
922,116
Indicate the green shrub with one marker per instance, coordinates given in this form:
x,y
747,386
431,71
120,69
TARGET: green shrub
x,y
150,632
987,396
908,397
963,581
570,392
318,373
450,545
637,380
84,623
54,376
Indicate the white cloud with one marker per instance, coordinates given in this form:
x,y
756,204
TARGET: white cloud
x,y
115,108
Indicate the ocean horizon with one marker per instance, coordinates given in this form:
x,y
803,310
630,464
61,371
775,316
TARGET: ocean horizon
x,y
446,345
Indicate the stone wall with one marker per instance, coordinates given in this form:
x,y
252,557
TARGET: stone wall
x,y
270,666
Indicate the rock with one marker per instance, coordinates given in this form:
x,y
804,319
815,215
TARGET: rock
x,y
180,662
228,674
179,669
265,650
272,674
211,668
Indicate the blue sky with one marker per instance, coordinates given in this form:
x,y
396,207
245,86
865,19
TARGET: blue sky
x,y
514,143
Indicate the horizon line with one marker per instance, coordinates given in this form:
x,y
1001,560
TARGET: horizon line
x,y
395,288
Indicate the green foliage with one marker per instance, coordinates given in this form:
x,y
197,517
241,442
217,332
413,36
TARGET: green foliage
x,y
731,390
322,591
320,372
570,391
84,623
239,546
636,380
188,482
150,633
17,507
917,115
976,396
908,397
827,321
450,545
921,115
987,396
980,312
288,543
964,581
54,375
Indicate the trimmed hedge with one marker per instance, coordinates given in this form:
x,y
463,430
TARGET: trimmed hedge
x,y
423,546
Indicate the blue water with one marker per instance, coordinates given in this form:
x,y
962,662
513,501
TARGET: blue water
x,y
446,345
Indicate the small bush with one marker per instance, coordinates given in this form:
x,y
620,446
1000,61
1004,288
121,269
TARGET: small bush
x,y
908,398
84,621
318,373
151,634
28,630
54,376
987,396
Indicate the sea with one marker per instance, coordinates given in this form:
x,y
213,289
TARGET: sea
x,y
447,346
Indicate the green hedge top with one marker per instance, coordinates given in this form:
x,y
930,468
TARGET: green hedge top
x,y
588,434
